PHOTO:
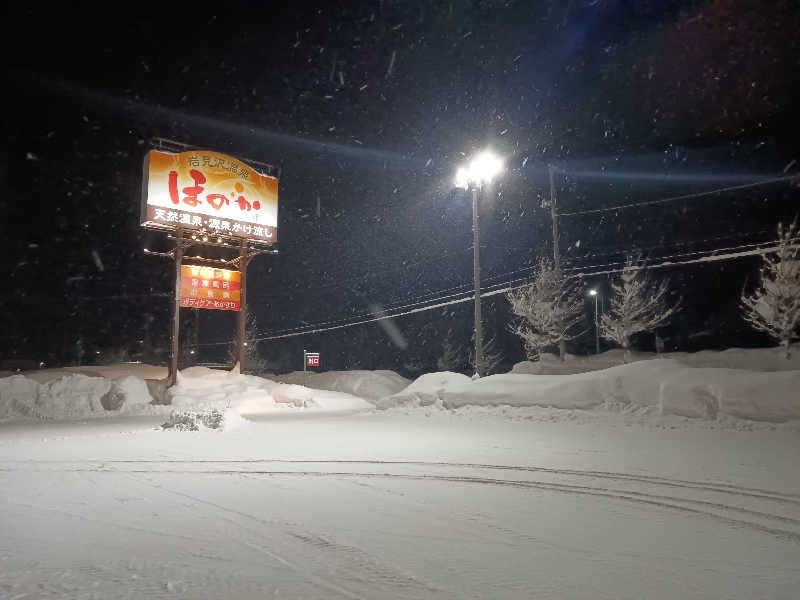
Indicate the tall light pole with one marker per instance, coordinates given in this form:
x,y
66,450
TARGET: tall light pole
x,y
481,170
596,323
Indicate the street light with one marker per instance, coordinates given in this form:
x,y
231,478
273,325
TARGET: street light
x,y
596,323
481,170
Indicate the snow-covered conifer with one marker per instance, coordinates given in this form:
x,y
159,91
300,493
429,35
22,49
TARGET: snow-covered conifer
x,y
774,306
452,357
492,356
638,304
549,310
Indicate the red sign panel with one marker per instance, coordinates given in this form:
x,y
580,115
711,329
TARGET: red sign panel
x,y
312,360
204,287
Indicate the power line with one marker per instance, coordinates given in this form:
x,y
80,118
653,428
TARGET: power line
x,y
681,255
707,257
682,197
702,259
728,236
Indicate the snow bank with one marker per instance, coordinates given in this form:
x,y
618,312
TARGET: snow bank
x,y
69,396
61,394
300,396
117,371
427,389
364,384
753,359
205,389
664,387
200,388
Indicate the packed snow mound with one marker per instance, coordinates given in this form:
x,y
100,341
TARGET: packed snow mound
x,y
115,371
300,396
69,396
751,359
62,394
426,390
370,385
199,388
664,387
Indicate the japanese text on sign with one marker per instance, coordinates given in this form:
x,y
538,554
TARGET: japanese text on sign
x,y
209,191
203,287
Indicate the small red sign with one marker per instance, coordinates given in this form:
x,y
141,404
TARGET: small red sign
x,y
312,360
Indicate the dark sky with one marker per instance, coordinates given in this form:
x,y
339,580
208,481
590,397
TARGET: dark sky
x,y
632,100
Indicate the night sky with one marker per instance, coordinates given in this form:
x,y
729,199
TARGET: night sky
x,y
368,108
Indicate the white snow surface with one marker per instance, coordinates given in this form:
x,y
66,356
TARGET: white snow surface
x,y
724,387
63,394
636,481
749,359
403,504
658,387
370,385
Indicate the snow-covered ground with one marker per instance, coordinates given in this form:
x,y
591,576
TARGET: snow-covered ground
x,y
652,388
748,359
371,385
514,486
428,504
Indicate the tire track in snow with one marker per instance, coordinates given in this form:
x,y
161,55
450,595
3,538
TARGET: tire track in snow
x,y
768,522
666,502
356,566
679,483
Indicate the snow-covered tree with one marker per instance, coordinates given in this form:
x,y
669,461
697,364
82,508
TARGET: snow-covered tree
x,y
492,356
252,359
452,357
638,304
549,310
774,306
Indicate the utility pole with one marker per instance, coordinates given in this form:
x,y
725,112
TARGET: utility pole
x,y
596,329
176,310
554,216
476,272
556,253
595,294
241,316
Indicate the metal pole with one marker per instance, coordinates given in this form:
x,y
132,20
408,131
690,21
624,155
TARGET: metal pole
x,y
556,254
176,310
241,316
554,216
596,328
477,279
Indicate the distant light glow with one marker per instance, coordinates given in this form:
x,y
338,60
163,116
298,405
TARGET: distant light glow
x,y
593,292
482,169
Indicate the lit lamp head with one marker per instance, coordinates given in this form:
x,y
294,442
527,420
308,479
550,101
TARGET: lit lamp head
x,y
482,169
593,292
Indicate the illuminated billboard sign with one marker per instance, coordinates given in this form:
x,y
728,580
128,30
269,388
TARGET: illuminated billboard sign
x,y
204,287
205,190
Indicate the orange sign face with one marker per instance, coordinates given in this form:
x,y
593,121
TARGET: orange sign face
x,y
206,190
204,287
